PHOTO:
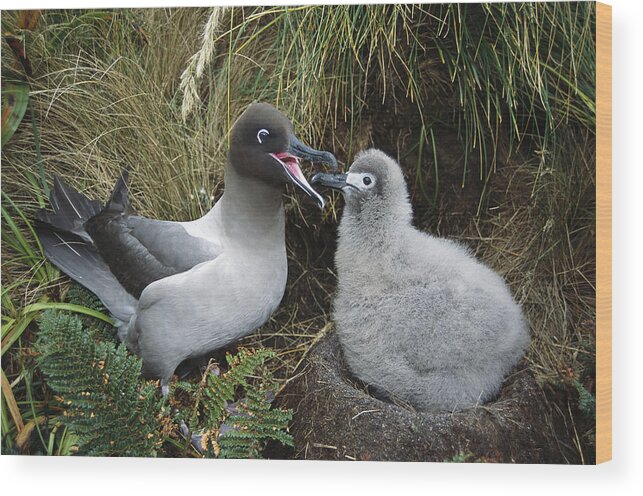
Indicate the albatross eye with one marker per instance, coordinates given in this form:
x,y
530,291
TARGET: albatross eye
x,y
261,135
367,180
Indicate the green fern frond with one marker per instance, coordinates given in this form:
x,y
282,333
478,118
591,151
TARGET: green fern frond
x,y
106,404
78,295
245,435
237,407
112,411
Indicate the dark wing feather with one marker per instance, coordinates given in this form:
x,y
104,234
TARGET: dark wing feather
x,y
134,250
140,251
128,259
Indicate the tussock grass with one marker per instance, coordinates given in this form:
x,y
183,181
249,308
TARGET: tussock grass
x,y
545,248
489,108
102,112
530,65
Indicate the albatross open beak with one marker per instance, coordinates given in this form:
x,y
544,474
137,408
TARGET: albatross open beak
x,y
289,160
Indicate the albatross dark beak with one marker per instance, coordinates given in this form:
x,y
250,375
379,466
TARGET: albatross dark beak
x,y
290,162
304,152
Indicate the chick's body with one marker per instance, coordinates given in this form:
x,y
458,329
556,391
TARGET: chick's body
x,y
418,317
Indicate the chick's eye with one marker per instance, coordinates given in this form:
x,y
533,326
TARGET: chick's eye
x,y
367,180
261,135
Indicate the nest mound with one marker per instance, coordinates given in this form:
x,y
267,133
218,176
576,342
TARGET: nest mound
x,y
337,419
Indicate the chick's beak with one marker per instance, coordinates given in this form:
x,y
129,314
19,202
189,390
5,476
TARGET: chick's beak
x,y
334,181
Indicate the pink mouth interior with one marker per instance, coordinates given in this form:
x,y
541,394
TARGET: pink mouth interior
x,y
292,164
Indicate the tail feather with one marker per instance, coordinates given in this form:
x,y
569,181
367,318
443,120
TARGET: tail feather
x,y
68,246
71,209
119,200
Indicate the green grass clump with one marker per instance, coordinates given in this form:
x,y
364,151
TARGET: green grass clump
x,y
523,67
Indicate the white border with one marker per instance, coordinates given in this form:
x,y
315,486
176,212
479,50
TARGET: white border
x,y
40,475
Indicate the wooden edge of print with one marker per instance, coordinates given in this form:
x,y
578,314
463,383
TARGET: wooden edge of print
x,y
603,232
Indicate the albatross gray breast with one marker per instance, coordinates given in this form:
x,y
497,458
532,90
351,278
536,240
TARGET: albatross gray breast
x,y
181,289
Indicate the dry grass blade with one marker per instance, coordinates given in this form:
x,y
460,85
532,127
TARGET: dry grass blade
x,y
198,63
10,400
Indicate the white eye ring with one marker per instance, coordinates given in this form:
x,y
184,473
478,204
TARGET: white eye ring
x,y
262,132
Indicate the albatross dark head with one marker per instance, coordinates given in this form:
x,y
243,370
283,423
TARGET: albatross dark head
x,y
263,145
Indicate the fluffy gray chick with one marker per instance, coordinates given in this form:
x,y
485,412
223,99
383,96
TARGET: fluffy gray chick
x,y
419,318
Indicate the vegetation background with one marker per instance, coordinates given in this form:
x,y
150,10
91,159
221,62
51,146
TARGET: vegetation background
x,y
490,109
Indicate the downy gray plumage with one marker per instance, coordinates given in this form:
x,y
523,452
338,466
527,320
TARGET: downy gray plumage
x,y
418,317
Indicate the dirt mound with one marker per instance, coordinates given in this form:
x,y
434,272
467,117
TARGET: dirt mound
x,y
337,419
